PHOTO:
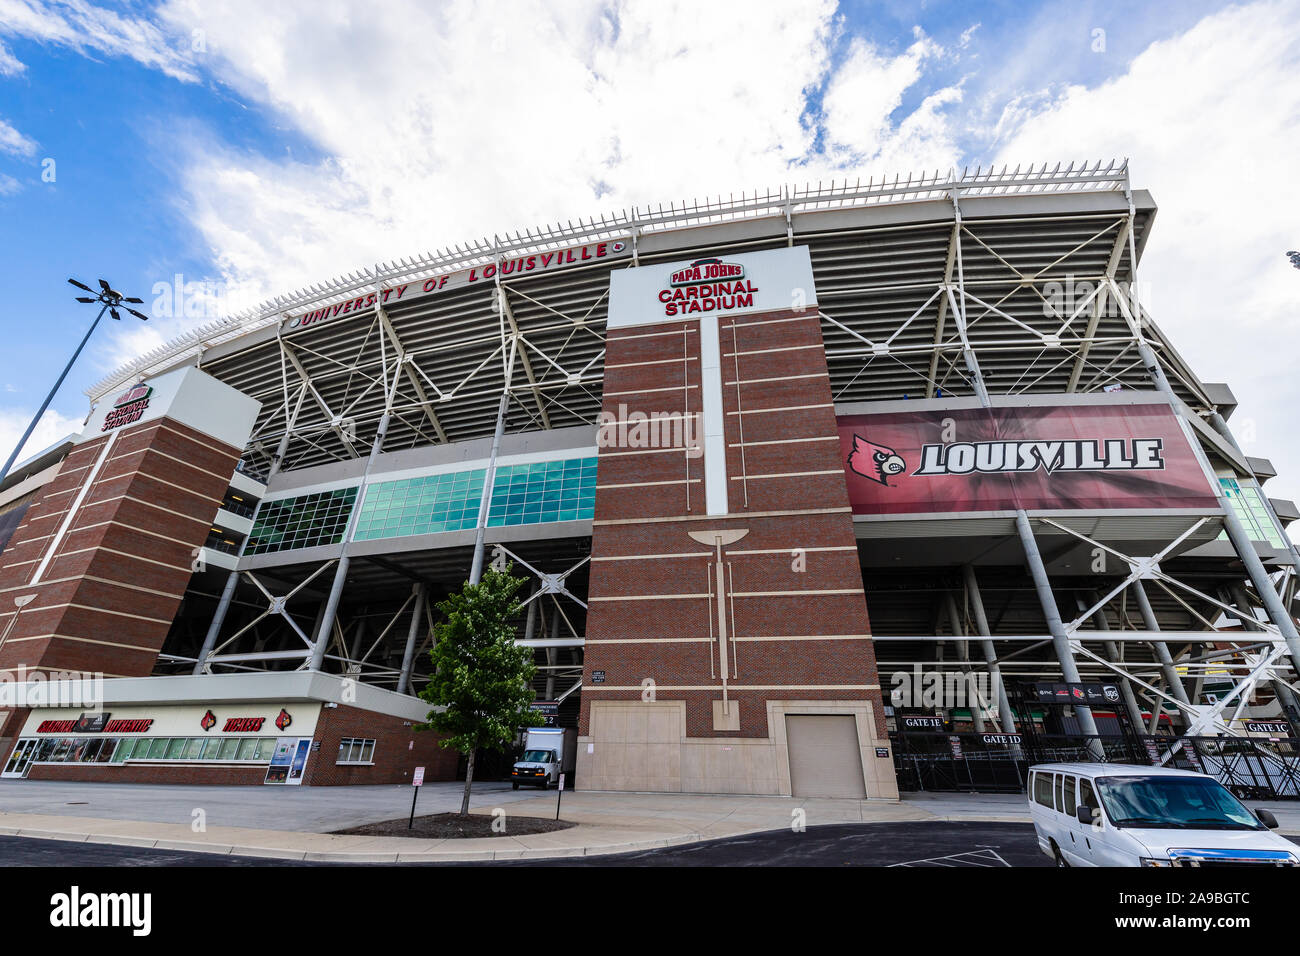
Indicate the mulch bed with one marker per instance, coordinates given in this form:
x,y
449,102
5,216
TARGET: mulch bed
x,y
452,825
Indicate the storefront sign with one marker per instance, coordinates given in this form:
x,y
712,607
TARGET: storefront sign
x,y
186,720
1035,457
243,725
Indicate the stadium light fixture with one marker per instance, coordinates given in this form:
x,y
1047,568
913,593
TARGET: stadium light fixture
x,y
110,300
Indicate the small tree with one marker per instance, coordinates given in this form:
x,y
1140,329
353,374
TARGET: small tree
x,y
482,679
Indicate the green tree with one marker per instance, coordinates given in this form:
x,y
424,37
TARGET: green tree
x,y
481,685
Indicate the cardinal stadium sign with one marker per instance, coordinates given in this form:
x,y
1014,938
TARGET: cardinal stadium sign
x,y
708,285
128,407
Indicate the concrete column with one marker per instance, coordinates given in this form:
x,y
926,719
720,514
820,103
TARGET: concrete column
x,y
341,571
1112,651
1241,543
408,655
1060,639
990,655
1160,648
476,567
1285,696
963,651
214,628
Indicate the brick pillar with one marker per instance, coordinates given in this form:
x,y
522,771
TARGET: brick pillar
x,y
793,608
108,549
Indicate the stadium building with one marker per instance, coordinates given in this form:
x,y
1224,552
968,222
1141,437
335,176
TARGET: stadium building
x,y
823,491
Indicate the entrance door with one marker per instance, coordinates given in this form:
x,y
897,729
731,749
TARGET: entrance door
x,y
20,761
825,758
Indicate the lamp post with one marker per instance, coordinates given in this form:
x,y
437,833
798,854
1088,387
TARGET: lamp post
x,y
109,301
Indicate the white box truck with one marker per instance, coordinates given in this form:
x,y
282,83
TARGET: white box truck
x,y
548,752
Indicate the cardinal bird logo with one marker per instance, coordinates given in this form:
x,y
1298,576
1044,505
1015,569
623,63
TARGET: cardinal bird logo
x,y
284,720
875,462
209,721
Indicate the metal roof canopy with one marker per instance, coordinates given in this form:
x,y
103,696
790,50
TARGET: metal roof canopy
x,y
1039,258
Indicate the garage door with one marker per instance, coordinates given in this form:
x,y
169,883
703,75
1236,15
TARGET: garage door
x,y
825,760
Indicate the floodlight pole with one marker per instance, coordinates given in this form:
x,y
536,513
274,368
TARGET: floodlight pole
x,y
50,397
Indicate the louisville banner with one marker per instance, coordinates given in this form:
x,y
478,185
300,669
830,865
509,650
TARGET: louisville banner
x,y
1037,458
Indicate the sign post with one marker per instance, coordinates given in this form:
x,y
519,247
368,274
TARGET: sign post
x,y
417,781
559,794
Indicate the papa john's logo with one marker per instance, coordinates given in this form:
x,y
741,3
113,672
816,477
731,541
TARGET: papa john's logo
x,y
876,462
707,270
209,721
133,394
284,720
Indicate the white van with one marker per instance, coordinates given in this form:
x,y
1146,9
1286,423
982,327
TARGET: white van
x,y
1105,814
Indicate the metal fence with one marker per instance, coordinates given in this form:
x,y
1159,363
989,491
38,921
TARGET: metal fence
x,y
1251,767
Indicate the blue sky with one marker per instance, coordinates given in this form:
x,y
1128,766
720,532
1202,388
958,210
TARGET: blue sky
x,y
257,147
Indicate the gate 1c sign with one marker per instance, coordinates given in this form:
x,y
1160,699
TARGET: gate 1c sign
x,y
1041,457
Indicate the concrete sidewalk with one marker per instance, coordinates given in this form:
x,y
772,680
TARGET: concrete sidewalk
x,y
159,817
607,822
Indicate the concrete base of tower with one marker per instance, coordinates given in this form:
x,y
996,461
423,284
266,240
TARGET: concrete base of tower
x,y
813,748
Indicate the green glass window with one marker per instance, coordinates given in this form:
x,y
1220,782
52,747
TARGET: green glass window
x,y
428,505
544,491
1248,504
302,522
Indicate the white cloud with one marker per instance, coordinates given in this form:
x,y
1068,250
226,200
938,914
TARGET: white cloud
x,y
862,98
10,65
88,29
1211,122
52,427
14,142
442,123
9,185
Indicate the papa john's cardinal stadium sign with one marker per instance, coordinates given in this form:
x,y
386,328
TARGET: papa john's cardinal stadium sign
x,y
1047,457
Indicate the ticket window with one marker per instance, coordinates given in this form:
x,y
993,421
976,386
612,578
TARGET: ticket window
x,y
289,761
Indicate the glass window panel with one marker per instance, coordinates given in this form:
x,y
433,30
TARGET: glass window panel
x,y
229,747
157,748
175,746
193,748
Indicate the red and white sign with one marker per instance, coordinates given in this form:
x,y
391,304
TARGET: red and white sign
x,y
772,280
506,268
418,779
1036,458
128,407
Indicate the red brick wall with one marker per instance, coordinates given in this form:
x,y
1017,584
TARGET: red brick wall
x,y
107,599
772,361
395,758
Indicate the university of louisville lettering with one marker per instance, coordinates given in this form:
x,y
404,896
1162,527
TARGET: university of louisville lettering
x,y
962,458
